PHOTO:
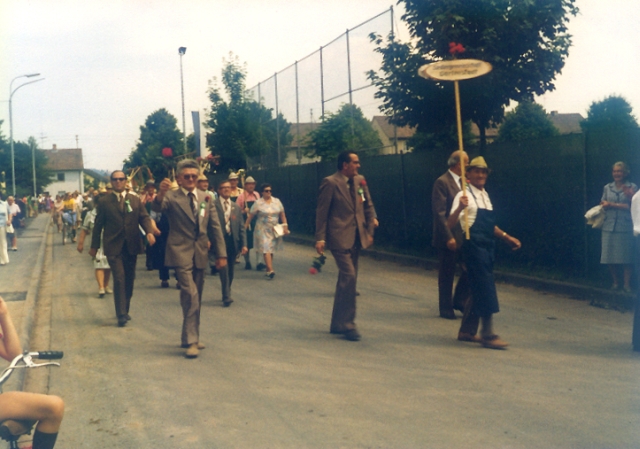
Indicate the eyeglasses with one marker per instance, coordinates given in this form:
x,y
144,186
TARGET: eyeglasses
x,y
267,190
190,176
119,179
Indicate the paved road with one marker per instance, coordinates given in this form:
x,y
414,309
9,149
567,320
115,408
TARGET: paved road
x,y
273,377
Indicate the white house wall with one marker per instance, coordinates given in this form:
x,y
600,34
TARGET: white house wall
x,y
73,180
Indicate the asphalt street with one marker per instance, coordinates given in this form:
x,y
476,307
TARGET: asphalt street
x,y
273,377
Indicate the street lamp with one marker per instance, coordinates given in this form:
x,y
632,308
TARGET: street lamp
x,y
182,51
11,92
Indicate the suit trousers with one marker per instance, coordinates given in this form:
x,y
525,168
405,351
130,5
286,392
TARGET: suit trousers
x,y
123,269
227,273
344,303
448,260
191,280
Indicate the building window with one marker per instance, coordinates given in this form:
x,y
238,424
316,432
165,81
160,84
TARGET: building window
x,y
60,176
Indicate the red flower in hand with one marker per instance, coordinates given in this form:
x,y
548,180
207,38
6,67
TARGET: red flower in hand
x,y
167,152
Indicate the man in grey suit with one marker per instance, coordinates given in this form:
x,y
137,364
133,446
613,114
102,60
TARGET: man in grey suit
x,y
446,241
194,229
344,224
120,214
235,236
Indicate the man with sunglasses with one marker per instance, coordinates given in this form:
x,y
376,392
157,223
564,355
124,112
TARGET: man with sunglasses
x,y
120,214
194,230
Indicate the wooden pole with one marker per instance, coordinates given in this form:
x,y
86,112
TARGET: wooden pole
x,y
461,148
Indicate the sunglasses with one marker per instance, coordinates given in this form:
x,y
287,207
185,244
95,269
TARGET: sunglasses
x,y
267,190
190,176
119,179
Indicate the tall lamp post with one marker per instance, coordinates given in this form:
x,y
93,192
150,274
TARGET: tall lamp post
x,y
182,51
11,92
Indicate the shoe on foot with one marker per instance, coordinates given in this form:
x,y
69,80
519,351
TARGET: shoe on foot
x,y
101,293
107,289
448,315
192,352
164,284
260,267
227,303
464,336
352,335
186,345
122,321
494,342
247,266
270,275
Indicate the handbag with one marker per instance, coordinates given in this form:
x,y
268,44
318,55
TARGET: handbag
x,y
595,216
10,229
278,230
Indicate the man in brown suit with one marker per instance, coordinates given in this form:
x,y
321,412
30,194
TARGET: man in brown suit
x,y
194,229
120,214
344,224
447,241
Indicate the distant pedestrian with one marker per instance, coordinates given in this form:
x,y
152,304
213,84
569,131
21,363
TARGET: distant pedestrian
x,y
617,229
121,215
478,254
235,236
345,223
194,228
5,222
448,241
246,202
235,190
15,212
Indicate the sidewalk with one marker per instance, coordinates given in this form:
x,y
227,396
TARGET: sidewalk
x,y
20,280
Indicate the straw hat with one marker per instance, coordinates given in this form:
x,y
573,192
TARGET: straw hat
x,y
478,162
233,176
250,180
202,177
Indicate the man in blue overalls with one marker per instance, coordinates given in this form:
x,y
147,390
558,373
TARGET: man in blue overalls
x,y
478,256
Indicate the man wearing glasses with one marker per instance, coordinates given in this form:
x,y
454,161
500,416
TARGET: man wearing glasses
x,y
194,230
120,214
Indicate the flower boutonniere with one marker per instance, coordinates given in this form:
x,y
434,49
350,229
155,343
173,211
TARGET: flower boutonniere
x,y
203,209
361,190
128,203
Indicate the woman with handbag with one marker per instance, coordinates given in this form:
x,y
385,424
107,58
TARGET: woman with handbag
x,y
617,229
270,226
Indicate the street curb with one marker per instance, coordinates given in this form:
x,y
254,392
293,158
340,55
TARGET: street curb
x,y
30,303
599,297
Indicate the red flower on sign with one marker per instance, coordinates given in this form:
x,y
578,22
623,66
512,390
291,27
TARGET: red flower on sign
x,y
167,152
455,48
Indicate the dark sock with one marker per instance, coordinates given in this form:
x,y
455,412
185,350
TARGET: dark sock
x,y
43,440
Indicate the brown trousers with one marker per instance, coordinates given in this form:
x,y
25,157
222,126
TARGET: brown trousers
x,y
344,302
123,270
448,260
191,282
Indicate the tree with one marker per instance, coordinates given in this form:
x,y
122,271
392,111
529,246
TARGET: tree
x,y
241,128
347,129
160,130
613,113
525,41
23,167
528,121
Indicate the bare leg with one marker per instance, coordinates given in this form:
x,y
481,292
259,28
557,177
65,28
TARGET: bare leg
x,y
268,262
47,410
100,278
613,269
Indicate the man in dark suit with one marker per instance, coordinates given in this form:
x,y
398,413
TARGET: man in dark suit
x,y
235,236
445,240
120,214
194,229
344,224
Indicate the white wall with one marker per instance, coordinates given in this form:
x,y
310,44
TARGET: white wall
x,y
73,180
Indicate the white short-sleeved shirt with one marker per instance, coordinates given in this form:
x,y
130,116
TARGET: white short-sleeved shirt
x,y
635,213
481,201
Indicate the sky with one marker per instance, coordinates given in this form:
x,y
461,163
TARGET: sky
x,y
108,64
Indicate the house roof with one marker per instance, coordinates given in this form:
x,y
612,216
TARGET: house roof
x,y
305,129
567,123
64,159
96,175
404,132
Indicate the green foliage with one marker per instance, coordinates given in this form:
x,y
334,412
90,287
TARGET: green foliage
x,y
442,140
613,113
160,131
242,128
528,121
23,167
347,129
525,41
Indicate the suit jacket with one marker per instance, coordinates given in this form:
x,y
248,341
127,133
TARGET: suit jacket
x,y
120,227
337,217
184,246
444,190
236,223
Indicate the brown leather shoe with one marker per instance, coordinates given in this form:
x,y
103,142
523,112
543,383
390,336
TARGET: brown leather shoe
x,y
192,352
494,342
464,336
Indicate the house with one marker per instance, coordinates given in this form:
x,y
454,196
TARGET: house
x,y
567,123
300,133
68,170
95,178
394,138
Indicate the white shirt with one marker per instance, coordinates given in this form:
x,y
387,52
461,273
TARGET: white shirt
x,y
481,201
456,178
635,213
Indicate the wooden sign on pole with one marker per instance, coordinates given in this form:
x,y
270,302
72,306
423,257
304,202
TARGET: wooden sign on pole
x,y
456,70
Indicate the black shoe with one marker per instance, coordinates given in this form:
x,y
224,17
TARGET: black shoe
x,y
127,317
164,284
122,321
227,303
247,266
352,335
448,315
260,267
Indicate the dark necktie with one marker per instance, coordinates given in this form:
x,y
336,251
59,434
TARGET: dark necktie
x,y
121,202
194,209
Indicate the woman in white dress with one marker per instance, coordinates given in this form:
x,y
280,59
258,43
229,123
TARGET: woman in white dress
x,y
270,213
100,263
